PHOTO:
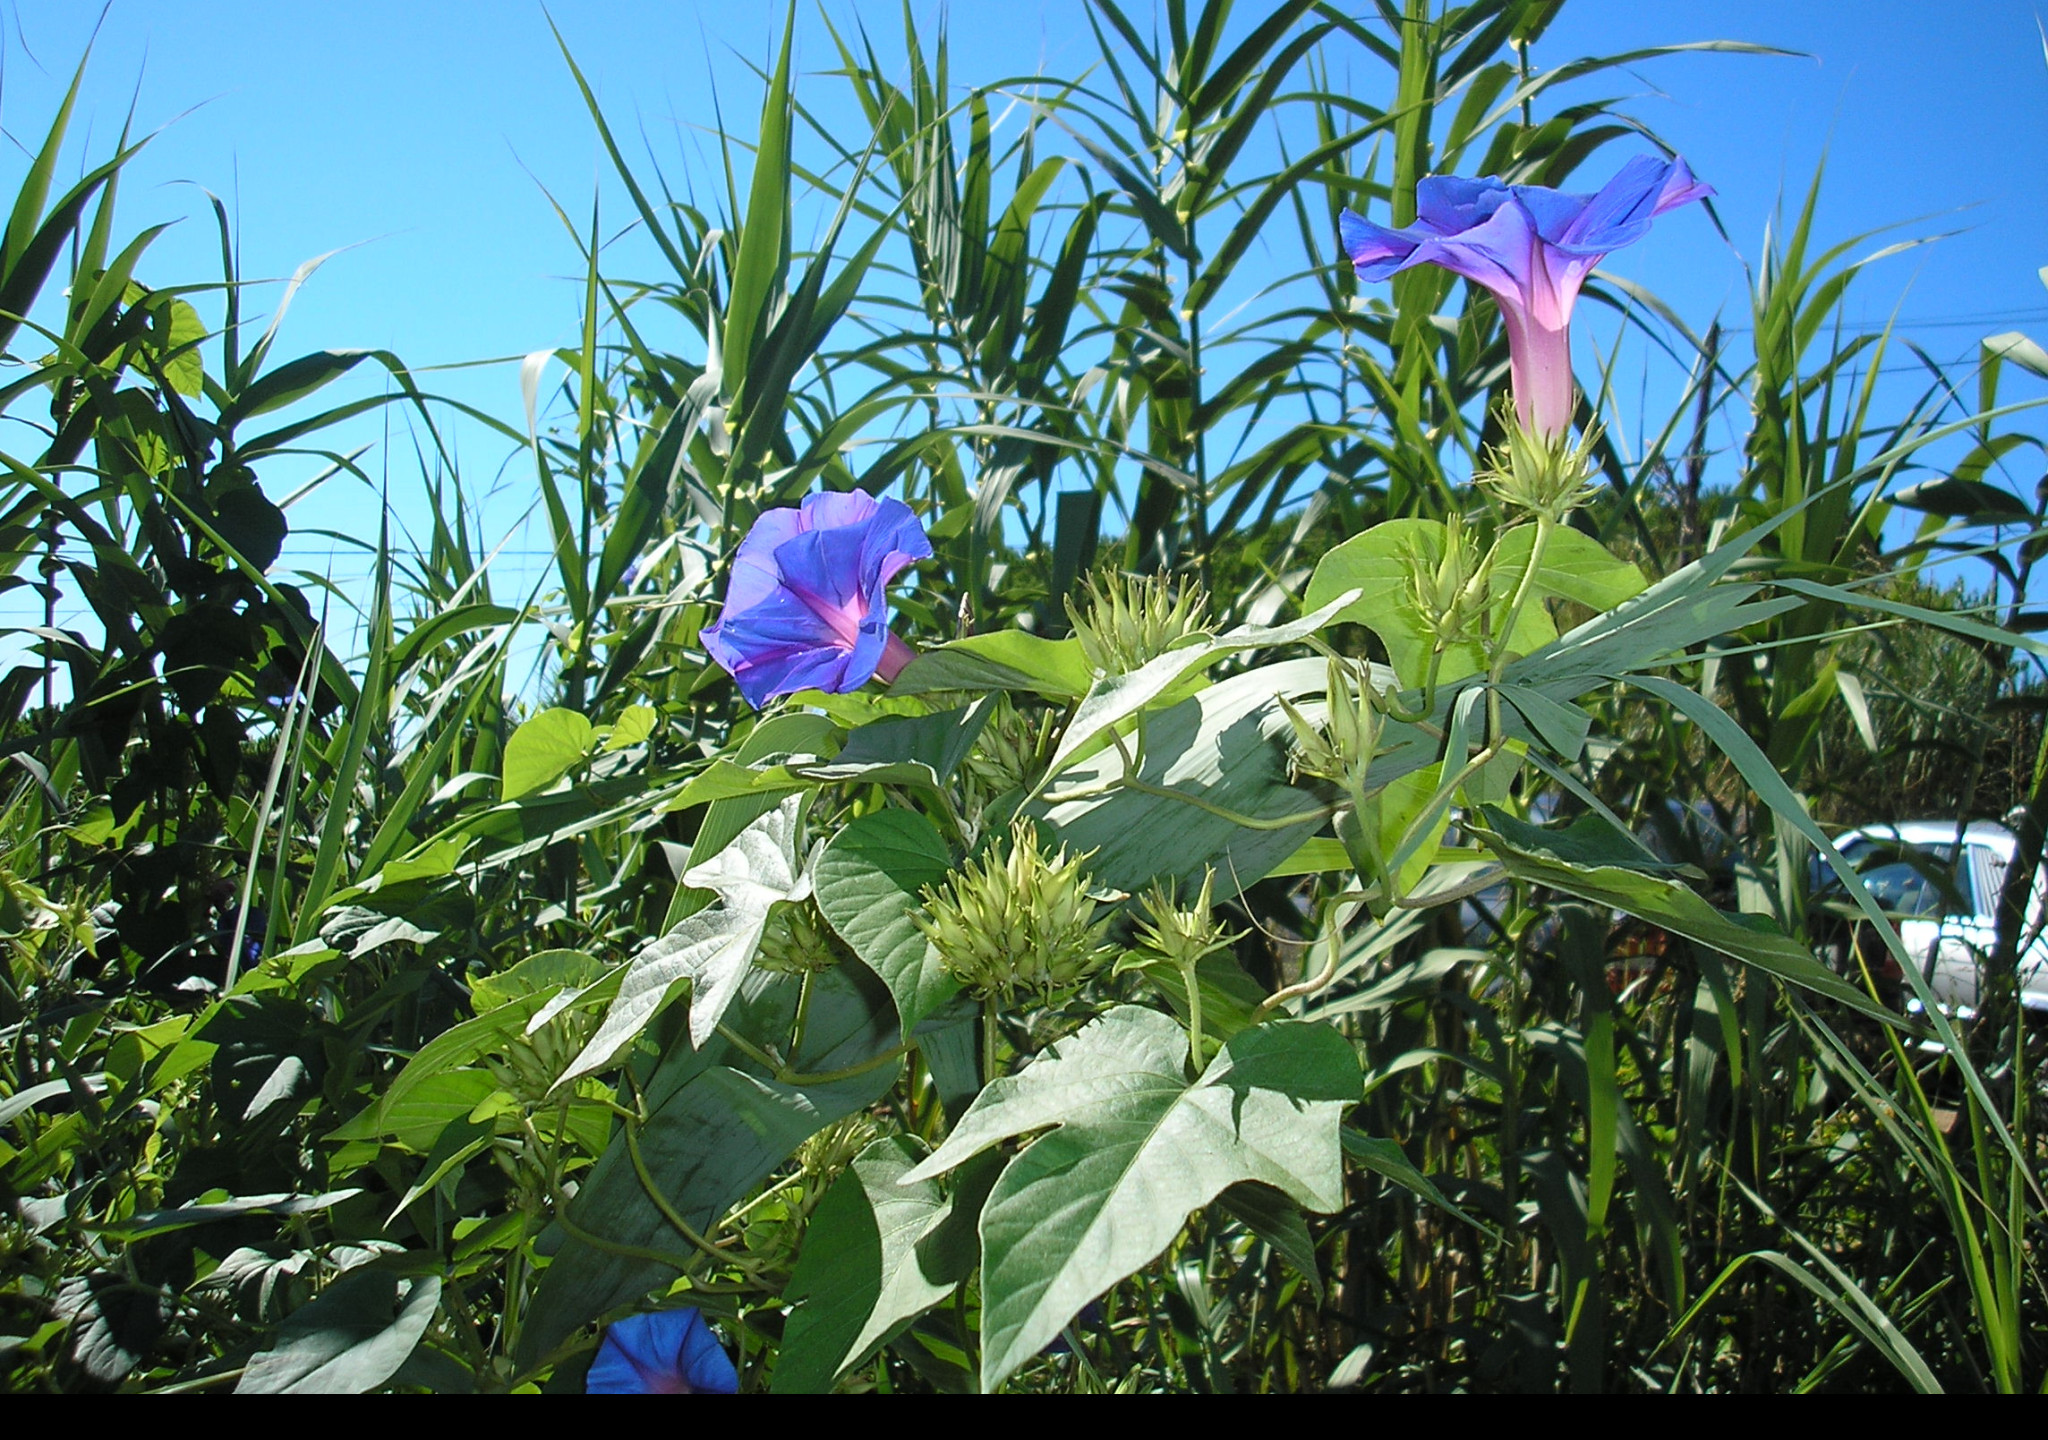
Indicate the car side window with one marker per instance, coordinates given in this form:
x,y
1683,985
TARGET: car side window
x,y
1913,879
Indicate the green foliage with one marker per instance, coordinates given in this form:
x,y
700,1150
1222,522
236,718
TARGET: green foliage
x,y
1424,1000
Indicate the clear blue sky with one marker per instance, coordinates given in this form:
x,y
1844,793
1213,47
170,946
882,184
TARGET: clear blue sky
x,y
420,134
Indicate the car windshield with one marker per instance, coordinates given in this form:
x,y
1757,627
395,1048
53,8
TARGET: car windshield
x,y
1907,879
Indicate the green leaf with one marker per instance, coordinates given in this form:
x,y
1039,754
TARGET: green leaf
x,y
348,1341
867,885
293,380
635,723
1538,856
184,370
860,1276
1137,1149
940,741
432,630
1589,841
541,974
1002,660
454,1048
1223,746
711,949
1373,564
1575,567
761,265
161,1222
717,1126
1386,1159
543,750
1964,499
415,1121
1275,1219
1113,699
1316,856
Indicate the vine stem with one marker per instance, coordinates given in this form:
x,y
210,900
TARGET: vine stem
x,y
988,1040
1523,590
1323,978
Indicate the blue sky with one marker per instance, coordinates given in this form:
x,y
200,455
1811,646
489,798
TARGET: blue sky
x,y
416,139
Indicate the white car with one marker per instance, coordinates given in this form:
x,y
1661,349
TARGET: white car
x,y
1941,882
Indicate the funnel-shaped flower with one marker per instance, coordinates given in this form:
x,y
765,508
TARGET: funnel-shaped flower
x,y
668,1352
808,605
1532,247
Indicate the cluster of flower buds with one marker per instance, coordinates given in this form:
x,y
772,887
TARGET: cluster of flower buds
x,y
529,1065
1126,620
1341,749
1449,593
1025,922
796,942
832,1149
1545,474
1177,936
1010,751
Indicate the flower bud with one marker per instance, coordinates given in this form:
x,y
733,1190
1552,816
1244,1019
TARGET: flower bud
x,y
1027,921
1126,620
1010,751
1449,593
1179,937
795,943
529,1065
1341,750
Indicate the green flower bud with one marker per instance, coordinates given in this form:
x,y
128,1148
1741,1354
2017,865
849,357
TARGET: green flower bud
x,y
1342,748
796,942
1126,620
1010,751
1027,921
1449,593
529,1065
1547,475
832,1149
1179,937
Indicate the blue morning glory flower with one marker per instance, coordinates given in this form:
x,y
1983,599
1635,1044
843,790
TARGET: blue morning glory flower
x,y
668,1352
1533,248
808,605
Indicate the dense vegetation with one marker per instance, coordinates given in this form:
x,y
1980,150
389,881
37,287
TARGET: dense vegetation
x,y
359,1027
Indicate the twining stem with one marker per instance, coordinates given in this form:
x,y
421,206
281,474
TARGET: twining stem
x,y
803,1016
1249,822
988,1039
1323,978
846,1072
676,1222
785,1073
1523,590
1392,699
749,1049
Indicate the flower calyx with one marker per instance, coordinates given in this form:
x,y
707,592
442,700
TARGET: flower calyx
x,y
796,942
1549,475
1178,936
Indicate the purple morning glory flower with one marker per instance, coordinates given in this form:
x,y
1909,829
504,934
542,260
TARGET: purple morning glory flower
x,y
668,1352
1532,247
808,605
